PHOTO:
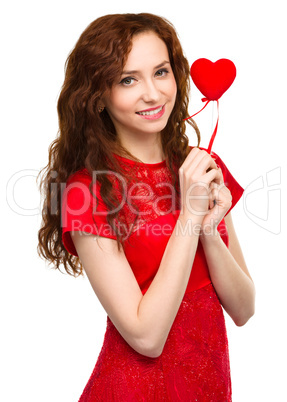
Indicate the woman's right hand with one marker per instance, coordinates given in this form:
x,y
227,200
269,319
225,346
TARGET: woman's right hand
x,y
195,175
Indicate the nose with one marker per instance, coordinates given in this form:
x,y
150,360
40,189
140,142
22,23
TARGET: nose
x,y
150,92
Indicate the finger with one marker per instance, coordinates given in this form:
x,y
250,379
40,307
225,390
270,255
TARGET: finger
x,y
212,176
211,204
202,162
197,154
199,159
213,185
190,157
212,200
194,156
219,177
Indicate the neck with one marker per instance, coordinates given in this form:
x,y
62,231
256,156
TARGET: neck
x,y
147,152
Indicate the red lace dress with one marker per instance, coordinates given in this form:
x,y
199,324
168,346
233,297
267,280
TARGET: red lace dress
x,y
194,364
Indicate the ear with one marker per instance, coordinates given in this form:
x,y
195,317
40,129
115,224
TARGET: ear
x,y
101,107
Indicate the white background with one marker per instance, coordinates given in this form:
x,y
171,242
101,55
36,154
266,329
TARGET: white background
x,y
52,325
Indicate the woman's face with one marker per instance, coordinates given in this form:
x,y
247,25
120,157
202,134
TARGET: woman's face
x,y
142,101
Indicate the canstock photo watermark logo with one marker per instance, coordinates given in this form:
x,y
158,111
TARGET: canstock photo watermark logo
x,y
262,201
261,198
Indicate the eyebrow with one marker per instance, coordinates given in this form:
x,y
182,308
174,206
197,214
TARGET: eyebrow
x,y
135,71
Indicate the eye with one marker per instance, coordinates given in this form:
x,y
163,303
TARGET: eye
x,y
162,72
127,81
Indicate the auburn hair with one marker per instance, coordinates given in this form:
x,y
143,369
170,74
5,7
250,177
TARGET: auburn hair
x,y
87,138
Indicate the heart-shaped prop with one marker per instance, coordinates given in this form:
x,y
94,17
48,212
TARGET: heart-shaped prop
x,y
213,79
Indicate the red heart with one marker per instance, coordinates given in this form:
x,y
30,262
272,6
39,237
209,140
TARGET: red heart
x,y
213,79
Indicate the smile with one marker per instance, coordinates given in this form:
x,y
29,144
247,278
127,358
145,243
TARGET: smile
x,y
152,113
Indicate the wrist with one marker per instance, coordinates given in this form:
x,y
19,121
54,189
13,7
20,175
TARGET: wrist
x,y
196,219
209,234
190,224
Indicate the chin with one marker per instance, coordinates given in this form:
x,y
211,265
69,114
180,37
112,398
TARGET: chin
x,y
154,126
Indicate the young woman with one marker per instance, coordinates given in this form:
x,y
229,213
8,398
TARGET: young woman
x,y
145,216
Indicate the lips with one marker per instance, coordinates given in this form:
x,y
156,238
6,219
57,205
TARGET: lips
x,y
151,112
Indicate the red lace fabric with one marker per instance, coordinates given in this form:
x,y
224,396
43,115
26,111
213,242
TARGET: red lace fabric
x,y
151,193
194,365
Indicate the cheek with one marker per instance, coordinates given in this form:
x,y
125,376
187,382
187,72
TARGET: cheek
x,y
171,87
121,102
173,90
174,87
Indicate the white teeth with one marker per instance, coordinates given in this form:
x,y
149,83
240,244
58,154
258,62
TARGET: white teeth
x,y
151,112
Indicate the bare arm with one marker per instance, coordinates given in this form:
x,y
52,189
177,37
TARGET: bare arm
x,y
229,274
145,321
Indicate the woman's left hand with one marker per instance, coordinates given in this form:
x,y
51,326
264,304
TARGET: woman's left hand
x,y
219,203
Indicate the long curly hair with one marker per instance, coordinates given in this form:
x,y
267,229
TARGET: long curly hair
x,y
87,138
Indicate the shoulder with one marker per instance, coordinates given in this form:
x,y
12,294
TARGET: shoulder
x,y
80,182
79,192
76,190
82,176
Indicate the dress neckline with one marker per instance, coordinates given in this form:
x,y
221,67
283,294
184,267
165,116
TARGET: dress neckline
x,y
151,165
